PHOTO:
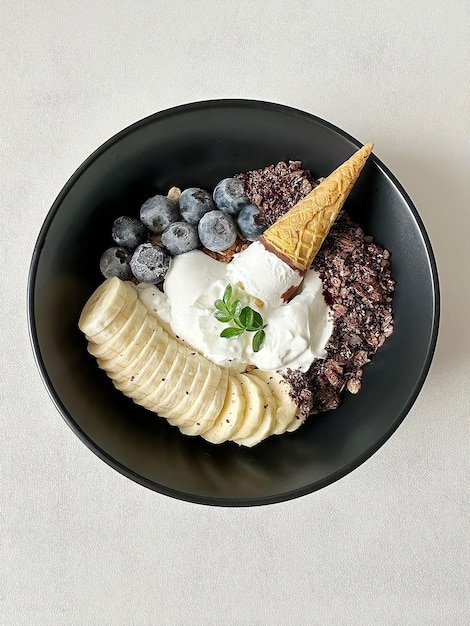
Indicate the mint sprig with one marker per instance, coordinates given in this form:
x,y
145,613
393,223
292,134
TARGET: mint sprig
x,y
244,317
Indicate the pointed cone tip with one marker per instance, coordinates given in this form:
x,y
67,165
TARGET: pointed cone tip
x,y
286,234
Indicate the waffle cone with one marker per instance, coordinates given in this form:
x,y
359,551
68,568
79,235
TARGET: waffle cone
x,y
298,235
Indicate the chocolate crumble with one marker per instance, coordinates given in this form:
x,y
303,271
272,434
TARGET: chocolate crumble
x,y
358,287
275,189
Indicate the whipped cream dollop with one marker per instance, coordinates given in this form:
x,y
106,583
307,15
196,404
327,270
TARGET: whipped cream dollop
x,y
263,274
296,331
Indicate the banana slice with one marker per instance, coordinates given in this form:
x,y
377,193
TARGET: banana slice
x,y
121,340
268,419
197,385
254,408
178,383
154,371
107,310
296,423
149,337
123,368
286,410
157,364
263,431
206,405
170,374
212,400
130,379
231,416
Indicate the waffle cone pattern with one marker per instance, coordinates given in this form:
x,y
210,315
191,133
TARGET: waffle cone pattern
x,y
298,235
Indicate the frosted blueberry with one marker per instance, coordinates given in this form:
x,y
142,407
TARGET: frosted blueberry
x,y
229,196
217,231
115,262
128,232
248,224
194,203
157,213
150,263
180,237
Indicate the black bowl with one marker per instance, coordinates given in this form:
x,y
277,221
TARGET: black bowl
x,y
197,145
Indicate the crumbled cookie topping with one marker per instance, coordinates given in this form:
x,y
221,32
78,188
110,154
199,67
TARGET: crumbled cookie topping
x,y
275,189
358,287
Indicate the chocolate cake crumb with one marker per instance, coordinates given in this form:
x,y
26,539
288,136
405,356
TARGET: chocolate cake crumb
x,y
275,189
358,287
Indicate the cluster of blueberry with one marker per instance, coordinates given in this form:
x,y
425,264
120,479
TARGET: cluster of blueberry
x,y
199,219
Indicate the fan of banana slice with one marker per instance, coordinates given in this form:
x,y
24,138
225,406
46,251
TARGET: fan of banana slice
x,y
170,378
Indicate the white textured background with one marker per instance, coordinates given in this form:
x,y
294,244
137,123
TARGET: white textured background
x,y
388,544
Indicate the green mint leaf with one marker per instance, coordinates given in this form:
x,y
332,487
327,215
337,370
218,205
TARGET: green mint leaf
x,y
222,316
257,320
219,304
254,329
231,333
236,308
227,294
258,340
243,318
246,317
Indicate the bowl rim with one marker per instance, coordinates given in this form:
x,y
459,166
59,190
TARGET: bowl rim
x,y
117,465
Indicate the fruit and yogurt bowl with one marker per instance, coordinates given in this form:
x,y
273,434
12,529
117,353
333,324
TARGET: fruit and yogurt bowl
x,y
153,325
198,146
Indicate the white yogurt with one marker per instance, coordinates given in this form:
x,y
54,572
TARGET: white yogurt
x,y
296,332
263,274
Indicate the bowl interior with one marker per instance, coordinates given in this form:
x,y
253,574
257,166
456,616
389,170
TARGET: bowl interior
x,y
197,145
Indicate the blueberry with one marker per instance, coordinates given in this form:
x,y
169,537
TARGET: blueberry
x,y
217,231
248,223
180,237
194,203
115,262
229,196
128,232
150,263
157,213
